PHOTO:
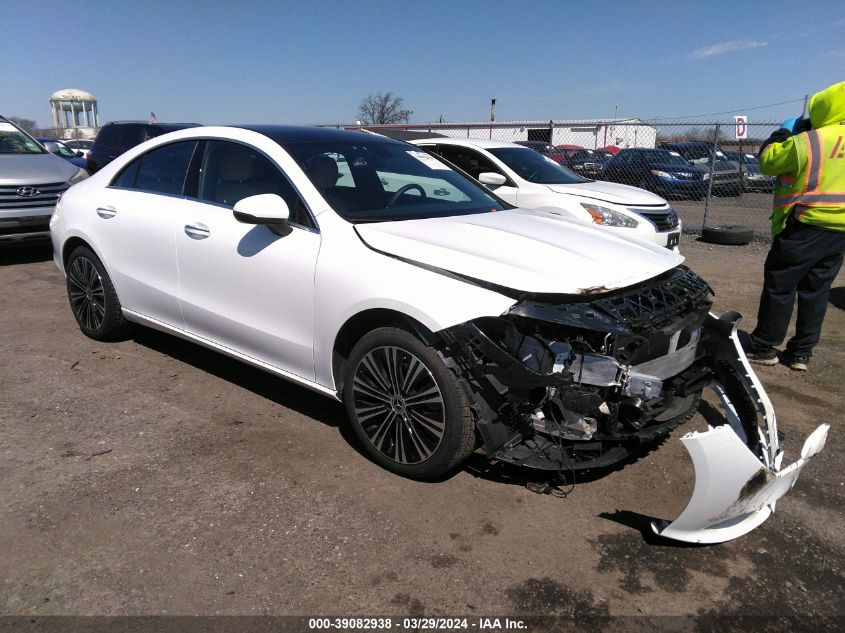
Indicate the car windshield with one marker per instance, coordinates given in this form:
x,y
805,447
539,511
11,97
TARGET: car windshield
x,y
535,167
665,158
379,181
700,154
13,141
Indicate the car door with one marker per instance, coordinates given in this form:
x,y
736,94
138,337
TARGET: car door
x,y
243,286
135,220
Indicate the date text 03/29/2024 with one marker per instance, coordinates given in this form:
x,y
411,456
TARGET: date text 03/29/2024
x,y
446,624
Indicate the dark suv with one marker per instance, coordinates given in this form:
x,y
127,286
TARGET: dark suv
x,y
116,137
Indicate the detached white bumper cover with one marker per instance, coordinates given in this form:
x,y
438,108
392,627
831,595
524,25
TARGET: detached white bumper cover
x,y
736,489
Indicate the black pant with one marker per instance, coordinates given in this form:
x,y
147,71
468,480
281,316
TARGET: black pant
x,y
805,260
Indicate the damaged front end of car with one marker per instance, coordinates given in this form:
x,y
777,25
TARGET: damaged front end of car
x,y
573,382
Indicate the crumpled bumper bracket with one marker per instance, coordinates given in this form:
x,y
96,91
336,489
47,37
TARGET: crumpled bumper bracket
x,y
735,489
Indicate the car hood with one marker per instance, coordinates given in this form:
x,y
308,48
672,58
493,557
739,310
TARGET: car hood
x,y
610,192
525,250
35,169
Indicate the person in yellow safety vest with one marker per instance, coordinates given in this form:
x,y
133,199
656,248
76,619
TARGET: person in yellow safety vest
x,y
808,225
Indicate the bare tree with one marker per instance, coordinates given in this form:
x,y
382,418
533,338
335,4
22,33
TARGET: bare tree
x,y
27,124
383,109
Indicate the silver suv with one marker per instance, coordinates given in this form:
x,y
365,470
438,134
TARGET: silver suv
x,y
31,180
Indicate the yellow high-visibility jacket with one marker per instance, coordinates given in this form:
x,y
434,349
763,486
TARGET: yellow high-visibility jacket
x,y
810,167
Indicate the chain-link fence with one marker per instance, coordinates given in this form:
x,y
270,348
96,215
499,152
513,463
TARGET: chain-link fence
x,y
710,176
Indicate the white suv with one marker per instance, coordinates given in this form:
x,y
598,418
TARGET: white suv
x,y
528,179
446,320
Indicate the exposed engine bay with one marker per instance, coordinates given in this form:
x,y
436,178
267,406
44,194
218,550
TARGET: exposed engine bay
x,y
567,383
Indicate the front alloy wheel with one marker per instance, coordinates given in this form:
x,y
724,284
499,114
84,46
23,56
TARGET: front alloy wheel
x,y
409,410
398,404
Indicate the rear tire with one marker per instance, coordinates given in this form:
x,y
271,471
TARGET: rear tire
x,y
409,410
92,297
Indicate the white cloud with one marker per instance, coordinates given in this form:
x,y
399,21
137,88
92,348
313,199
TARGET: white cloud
x,y
726,47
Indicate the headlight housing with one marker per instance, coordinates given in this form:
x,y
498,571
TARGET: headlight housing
x,y
609,217
79,176
706,177
661,174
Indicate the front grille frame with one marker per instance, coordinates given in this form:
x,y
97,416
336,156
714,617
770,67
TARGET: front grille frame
x,y
48,195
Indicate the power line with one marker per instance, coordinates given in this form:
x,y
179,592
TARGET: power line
x,y
697,116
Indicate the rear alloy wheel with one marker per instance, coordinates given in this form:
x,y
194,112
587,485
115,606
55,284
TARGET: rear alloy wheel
x,y
92,297
406,406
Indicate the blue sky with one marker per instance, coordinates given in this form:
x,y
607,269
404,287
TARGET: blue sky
x,y
313,61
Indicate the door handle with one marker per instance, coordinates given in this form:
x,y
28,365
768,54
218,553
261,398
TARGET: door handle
x,y
197,231
106,212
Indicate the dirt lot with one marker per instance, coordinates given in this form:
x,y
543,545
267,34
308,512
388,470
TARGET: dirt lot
x,y
153,477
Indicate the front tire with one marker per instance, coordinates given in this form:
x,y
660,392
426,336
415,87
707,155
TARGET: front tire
x,y
408,409
92,297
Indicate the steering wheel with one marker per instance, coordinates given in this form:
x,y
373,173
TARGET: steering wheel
x,y
402,190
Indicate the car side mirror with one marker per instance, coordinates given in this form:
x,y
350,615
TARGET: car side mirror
x,y
79,154
491,178
265,208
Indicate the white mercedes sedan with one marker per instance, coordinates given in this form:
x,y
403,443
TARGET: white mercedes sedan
x,y
444,318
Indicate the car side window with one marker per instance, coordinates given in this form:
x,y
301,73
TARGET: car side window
x,y
161,170
470,161
231,172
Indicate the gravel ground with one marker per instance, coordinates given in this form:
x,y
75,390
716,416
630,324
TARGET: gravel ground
x,y
151,476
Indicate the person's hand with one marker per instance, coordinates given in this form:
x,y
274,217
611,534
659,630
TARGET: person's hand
x,y
778,136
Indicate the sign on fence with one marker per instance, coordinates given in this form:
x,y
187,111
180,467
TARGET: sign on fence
x,y
741,123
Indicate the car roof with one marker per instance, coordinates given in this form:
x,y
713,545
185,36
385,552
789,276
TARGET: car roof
x,y
304,134
475,142
162,124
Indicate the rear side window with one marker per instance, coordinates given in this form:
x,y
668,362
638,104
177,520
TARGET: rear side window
x,y
161,170
108,135
131,135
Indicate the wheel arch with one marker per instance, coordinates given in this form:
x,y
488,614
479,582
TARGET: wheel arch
x,y
366,321
74,241
71,244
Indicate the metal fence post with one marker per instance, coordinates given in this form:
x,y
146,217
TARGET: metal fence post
x,y
710,179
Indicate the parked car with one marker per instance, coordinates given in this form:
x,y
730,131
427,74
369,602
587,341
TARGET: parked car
x,y
700,153
83,145
752,178
547,149
442,323
659,170
31,180
522,177
116,137
587,162
58,147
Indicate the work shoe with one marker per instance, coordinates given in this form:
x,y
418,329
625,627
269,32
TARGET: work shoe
x,y
765,357
797,362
